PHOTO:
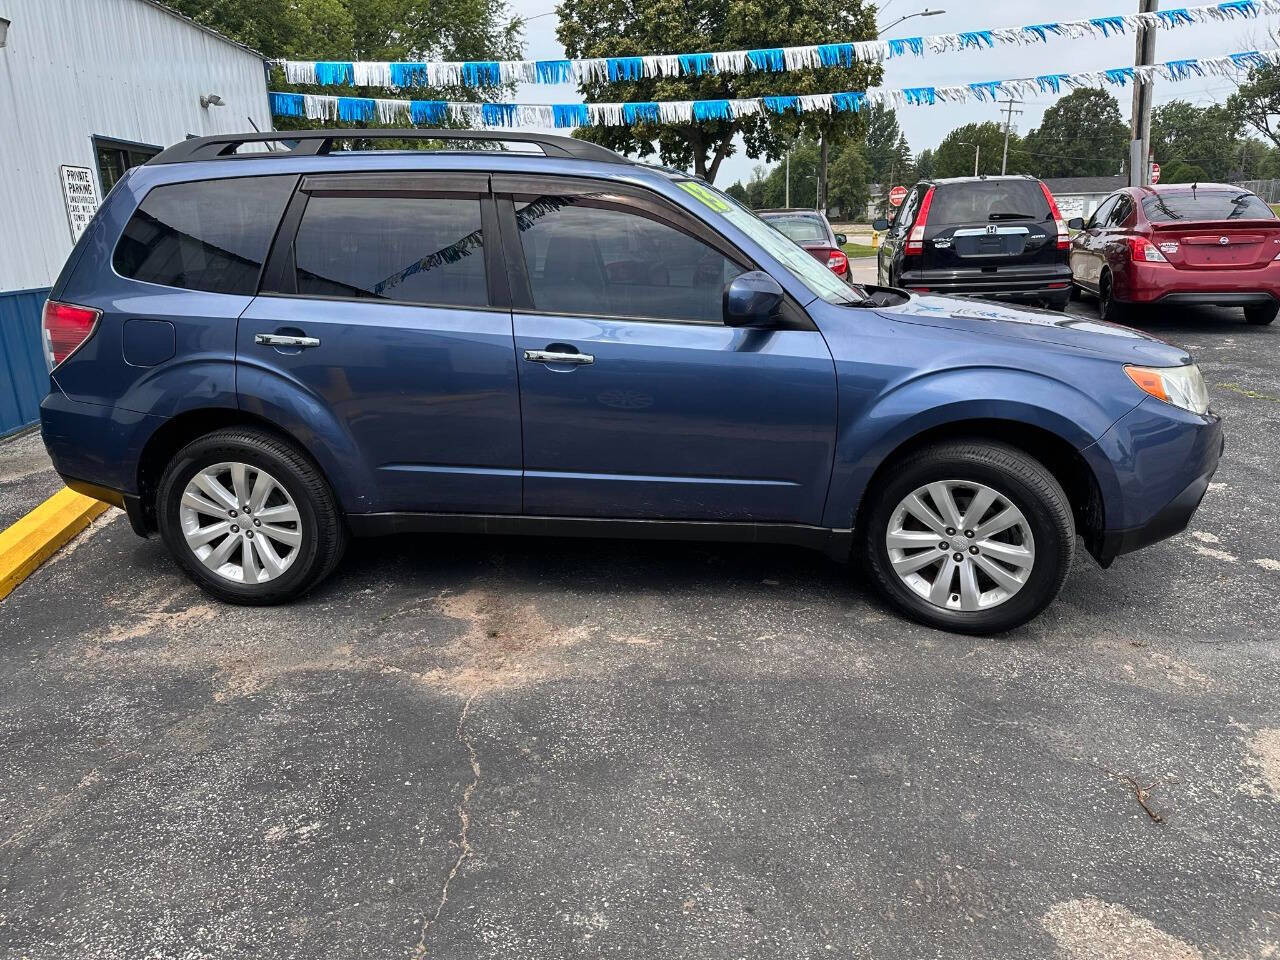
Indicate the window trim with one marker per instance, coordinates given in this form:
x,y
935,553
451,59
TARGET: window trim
x,y
627,198
279,277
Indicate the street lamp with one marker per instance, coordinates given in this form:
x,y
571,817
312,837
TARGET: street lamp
x,y
977,149
926,12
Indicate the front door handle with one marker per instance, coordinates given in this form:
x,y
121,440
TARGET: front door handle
x,y
285,340
554,356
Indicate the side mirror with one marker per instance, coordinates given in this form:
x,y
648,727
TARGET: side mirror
x,y
879,224
842,239
751,299
1075,223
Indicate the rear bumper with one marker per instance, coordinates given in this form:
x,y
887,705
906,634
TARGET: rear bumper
x,y
1039,282
1164,283
1161,460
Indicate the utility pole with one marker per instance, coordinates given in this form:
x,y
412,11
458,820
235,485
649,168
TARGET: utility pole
x,y
787,197
1140,142
1008,119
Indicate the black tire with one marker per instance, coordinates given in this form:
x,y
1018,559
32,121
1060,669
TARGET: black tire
x,y
323,533
1058,304
1073,294
1262,315
1109,308
1016,477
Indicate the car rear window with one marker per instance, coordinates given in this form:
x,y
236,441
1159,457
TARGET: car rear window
x,y
987,201
207,235
799,229
1205,205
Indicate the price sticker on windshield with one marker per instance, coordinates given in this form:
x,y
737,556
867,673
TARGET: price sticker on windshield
x,y
706,195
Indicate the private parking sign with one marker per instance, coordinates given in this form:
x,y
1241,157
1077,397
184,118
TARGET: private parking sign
x,y
81,196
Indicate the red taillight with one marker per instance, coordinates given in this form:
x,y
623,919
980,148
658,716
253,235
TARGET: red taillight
x,y
1143,250
1064,237
65,327
837,262
915,241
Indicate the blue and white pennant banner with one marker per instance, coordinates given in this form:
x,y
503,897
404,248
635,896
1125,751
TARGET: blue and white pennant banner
x,y
489,73
567,115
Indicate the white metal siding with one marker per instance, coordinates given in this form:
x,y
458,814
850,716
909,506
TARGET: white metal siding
x,y
122,69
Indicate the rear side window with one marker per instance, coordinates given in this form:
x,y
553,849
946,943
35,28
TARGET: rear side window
x,y
606,261
207,235
427,250
800,229
987,201
1206,205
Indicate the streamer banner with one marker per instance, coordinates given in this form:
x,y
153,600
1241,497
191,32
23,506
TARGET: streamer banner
x,y
382,112
489,73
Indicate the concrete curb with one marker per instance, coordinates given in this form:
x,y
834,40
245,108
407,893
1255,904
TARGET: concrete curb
x,y
38,536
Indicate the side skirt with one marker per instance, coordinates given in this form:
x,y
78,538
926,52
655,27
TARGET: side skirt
x,y
837,544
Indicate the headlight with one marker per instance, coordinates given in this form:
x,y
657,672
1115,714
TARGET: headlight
x,y
1181,386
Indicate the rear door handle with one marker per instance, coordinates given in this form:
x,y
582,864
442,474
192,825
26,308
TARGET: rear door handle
x,y
553,356
285,340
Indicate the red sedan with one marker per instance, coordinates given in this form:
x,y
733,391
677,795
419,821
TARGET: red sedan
x,y
811,230
1206,243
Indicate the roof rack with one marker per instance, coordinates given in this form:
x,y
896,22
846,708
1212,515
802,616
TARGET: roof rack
x,y
310,143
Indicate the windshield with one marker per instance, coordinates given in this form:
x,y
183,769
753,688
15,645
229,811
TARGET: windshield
x,y
801,265
1205,205
799,229
985,201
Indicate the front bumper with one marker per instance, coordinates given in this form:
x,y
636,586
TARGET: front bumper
x,y
1160,460
1036,282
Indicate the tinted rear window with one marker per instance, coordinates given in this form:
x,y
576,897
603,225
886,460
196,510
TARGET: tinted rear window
x,y
985,202
207,235
413,249
800,229
1205,205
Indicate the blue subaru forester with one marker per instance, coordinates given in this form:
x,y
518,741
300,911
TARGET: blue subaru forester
x,y
261,354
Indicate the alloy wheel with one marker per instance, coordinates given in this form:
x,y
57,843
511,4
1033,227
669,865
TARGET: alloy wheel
x,y
960,545
240,522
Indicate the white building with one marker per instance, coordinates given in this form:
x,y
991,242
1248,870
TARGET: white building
x,y
89,88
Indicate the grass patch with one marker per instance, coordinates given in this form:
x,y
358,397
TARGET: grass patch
x,y
860,250
1246,392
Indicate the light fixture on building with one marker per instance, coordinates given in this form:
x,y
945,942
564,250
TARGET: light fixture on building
x,y
208,100
4,31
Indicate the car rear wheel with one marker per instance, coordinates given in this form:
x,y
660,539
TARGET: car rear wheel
x,y
970,536
249,518
1261,315
1109,308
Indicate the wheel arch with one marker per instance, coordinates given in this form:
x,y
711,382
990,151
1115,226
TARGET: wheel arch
x,y
1060,457
176,432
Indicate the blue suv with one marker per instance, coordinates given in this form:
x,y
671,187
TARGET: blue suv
x,y
261,354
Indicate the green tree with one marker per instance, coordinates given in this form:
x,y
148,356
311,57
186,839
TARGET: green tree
x,y
1179,172
1257,102
850,186
926,165
1082,135
1204,137
884,144
738,192
610,28
954,156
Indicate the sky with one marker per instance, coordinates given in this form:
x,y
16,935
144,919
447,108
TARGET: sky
x,y
926,126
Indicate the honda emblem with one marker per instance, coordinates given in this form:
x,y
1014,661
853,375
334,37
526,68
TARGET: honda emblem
x,y
991,228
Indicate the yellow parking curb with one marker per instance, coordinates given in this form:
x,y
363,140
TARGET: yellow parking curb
x,y
37,536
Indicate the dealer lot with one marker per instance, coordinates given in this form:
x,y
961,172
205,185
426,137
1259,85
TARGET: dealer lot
x,y
523,748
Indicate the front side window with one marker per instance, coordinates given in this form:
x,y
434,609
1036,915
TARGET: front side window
x,y
427,250
209,235
1101,214
586,257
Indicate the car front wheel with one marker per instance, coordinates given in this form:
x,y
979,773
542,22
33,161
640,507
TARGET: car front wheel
x,y
969,536
248,517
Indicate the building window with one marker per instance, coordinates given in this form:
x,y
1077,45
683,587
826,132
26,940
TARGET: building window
x,y
117,156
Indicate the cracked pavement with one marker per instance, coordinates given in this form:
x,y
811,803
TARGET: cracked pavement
x,y
505,748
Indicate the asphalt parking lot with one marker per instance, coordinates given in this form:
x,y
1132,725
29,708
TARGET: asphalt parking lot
x,y
503,748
